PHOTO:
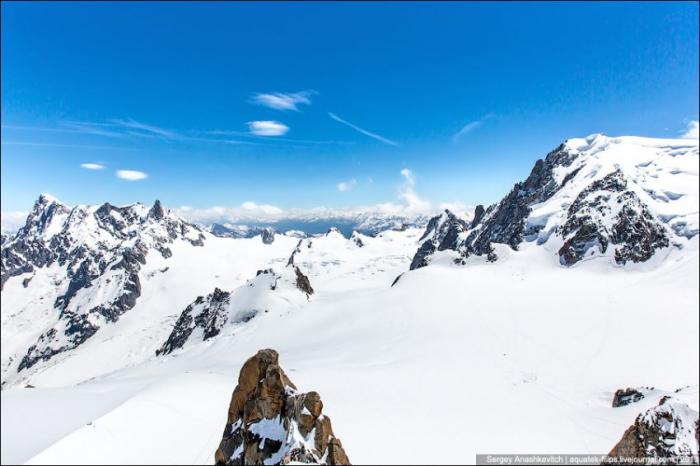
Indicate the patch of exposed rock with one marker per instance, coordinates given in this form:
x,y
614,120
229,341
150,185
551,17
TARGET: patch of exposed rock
x,y
270,423
626,396
208,314
206,317
267,235
303,282
606,213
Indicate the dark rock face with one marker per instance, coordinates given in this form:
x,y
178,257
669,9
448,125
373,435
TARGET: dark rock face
x,y
355,237
157,211
303,282
210,314
296,251
267,235
505,223
270,423
623,397
78,329
478,216
101,249
668,431
592,223
443,232
25,251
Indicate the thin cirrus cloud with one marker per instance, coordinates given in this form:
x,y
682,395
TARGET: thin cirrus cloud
x,y
345,186
282,100
362,130
131,175
92,166
119,128
471,126
92,128
143,128
267,128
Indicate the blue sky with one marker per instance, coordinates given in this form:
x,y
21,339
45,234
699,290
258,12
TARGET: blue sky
x,y
305,105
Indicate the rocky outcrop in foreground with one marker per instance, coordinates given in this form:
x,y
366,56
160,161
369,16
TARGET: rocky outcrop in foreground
x,y
270,423
669,431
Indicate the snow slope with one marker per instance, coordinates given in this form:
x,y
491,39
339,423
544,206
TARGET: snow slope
x,y
443,358
521,355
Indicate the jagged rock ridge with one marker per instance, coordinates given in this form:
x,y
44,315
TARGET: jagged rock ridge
x,y
270,423
582,202
101,248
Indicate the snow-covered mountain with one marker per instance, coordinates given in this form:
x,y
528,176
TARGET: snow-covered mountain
x,y
625,198
522,320
94,255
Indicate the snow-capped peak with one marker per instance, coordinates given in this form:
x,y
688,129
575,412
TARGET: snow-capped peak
x,y
621,197
100,250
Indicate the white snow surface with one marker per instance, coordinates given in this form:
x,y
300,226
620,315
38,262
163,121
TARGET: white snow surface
x,y
517,356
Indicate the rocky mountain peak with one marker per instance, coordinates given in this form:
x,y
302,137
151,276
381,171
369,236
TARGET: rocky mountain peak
x,y
46,214
268,235
589,197
46,199
443,232
101,248
270,423
157,212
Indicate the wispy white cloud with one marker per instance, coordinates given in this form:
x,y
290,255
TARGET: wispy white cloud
x,y
93,128
144,129
131,175
92,166
408,195
693,130
409,177
226,132
344,186
282,100
267,128
363,131
471,126
258,134
73,146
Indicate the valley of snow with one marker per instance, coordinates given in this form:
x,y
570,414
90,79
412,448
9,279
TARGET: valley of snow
x,y
521,355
